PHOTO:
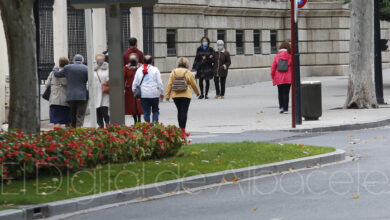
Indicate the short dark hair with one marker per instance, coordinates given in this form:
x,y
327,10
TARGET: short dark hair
x,y
205,38
133,42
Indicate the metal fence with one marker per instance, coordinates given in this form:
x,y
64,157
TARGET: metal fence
x,y
46,50
77,43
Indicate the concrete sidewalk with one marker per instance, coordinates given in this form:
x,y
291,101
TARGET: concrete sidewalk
x,y
255,107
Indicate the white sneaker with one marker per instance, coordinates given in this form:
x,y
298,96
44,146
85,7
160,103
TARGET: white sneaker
x,y
285,112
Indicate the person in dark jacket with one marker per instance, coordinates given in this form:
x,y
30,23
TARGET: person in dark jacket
x,y
76,75
133,49
221,67
203,65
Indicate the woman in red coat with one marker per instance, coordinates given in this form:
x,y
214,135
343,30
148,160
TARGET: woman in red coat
x,y
132,105
281,73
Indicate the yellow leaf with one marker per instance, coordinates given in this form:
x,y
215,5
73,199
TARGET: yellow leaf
x,y
223,180
70,189
191,164
194,153
255,208
356,197
139,198
235,179
219,162
302,146
350,136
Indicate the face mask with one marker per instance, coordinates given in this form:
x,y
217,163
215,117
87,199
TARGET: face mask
x,y
205,43
100,62
220,47
133,62
149,61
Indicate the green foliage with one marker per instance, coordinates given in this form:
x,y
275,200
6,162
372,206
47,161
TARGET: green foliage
x,y
384,8
194,159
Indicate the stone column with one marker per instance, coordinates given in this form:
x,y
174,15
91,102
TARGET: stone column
x,y
99,30
60,29
136,26
4,71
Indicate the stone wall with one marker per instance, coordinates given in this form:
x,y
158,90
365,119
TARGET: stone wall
x,y
323,31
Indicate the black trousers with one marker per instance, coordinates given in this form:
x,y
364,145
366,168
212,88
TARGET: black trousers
x,y
220,81
201,85
102,116
284,96
182,105
77,111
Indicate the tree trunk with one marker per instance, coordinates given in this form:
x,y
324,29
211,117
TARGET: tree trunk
x,y
361,89
20,30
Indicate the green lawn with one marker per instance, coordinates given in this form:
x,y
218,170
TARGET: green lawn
x,y
191,160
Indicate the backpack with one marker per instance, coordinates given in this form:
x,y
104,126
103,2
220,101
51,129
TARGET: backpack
x,y
179,84
282,65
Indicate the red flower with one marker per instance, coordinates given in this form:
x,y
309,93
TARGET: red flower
x,y
162,148
136,149
101,155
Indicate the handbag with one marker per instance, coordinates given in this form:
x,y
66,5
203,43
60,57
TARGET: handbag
x,y
46,94
137,91
105,87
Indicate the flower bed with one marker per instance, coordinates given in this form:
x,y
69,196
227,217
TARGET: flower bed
x,y
21,155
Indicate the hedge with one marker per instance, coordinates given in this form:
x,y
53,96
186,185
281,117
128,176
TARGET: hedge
x,y
22,155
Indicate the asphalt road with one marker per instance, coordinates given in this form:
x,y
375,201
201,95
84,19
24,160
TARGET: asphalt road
x,y
353,190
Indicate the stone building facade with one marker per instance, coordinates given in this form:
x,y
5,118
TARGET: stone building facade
x,y
252,30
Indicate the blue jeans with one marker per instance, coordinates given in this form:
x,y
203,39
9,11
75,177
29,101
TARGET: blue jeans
x,y
150,105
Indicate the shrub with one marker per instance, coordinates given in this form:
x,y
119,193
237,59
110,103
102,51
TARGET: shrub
x,y
77,148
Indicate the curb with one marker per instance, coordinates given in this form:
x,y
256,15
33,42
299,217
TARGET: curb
x,y
347,127
88,202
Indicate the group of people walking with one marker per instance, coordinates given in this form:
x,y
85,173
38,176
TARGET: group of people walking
x,y
144,87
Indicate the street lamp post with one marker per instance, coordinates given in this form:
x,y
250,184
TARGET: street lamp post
x,y
296,73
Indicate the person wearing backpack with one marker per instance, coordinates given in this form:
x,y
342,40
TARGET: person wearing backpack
x,y
180,86
281,73
148,86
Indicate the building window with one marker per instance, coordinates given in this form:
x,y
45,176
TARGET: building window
x,y
256,41
274,48
148,26
76,32
46,46
125,28
171,42
240,42
221,35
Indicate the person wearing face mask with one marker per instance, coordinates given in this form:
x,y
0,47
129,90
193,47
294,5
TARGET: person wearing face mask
x,y
148,78
102,97
221,67
132,105
203,66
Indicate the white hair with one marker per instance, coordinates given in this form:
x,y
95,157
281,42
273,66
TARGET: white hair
x,y
220,42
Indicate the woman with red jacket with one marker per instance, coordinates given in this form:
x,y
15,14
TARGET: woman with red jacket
x,y
132,105
281,72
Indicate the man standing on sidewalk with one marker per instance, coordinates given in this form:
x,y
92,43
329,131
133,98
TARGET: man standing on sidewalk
x,y
133,49
76,93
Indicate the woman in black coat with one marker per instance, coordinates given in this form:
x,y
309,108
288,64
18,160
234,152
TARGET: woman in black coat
x,y
203,65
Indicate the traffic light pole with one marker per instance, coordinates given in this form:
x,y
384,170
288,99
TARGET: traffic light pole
x,y
296,73
378,55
